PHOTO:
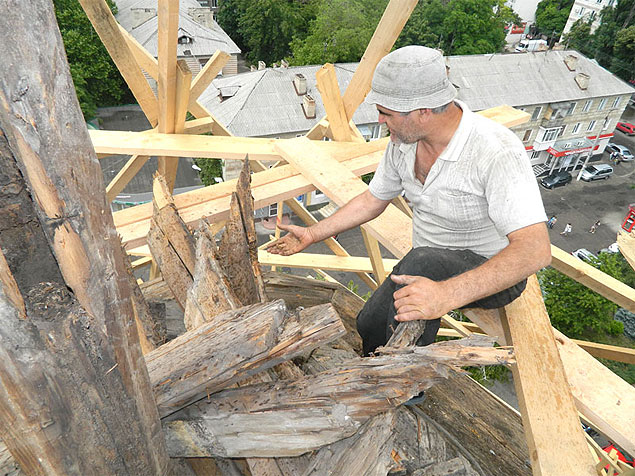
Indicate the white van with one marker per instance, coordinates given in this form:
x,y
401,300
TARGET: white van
x,y
596,172
530,45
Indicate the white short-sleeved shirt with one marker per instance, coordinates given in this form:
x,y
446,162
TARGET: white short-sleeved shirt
x,y
480,189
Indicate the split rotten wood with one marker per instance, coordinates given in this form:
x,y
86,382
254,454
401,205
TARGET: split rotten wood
x,y
294,417
69,347
234,345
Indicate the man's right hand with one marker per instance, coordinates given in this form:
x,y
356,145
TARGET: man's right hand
x,y
297,239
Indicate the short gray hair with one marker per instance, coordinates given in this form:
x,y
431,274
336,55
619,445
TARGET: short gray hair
x,y
440,109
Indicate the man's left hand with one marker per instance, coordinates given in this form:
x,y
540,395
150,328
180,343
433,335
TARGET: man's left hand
x,y
420,298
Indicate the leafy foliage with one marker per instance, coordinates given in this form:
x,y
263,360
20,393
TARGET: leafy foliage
x,y
96,78
340,32
263,29
552,15
210,168
613,43
577,311
459,27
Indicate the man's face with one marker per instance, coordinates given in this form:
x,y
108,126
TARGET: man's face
x,y
401,125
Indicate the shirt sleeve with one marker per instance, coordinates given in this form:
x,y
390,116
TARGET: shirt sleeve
x,y
513,196
386,183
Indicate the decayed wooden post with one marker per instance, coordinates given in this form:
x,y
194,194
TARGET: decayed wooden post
x,y
75,396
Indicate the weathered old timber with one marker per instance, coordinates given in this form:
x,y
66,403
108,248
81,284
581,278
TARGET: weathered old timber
x,y
301,415
238,250
73,357
211,292
234,345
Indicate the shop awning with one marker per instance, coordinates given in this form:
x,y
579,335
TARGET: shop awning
x,y
568,147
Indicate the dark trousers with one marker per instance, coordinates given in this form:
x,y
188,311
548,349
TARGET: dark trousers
x,y
376,321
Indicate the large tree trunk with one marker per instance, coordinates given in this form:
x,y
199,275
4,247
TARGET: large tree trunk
x,y
76,397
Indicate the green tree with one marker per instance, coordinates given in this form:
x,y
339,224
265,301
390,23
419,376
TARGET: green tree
x,y
552,15
229,12
268,27
96,78
459,27
210,169
340,32
577,311
578,37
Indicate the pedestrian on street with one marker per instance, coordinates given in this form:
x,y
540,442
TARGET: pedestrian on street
x,y
567,229
552,221
594,226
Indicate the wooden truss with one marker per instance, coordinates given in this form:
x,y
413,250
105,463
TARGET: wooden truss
x,y
548,381
555,379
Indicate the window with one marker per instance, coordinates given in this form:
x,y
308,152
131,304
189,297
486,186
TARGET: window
x,y
581,11
571,109
273,209
535,154
536,113
587,105
550,134
602,104
561,131
591,126
592,15
616,102
576,128
527,135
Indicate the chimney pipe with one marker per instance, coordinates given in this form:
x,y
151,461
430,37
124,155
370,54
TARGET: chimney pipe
x,y
583,80
308,106
571,61
299,83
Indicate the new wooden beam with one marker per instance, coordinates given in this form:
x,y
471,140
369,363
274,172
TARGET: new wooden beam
x,y
556,445
593,278
353,264
333,103
168,21
206,75
144,59
107,28
125,175
217,147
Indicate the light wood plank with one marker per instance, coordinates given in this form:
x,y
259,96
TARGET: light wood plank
x,y
124,176
218,147
168,20
144,59
206,75
107,28
593,278
374,253
341,186
626,244
333,103
556,445
353,264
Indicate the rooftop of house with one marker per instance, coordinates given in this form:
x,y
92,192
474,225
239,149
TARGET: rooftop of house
x,y
265,102
139,17
521,79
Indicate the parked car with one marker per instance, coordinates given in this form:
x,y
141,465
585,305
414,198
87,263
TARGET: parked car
x,y
556,179
612,248
626,128
584,254
596,172
621,150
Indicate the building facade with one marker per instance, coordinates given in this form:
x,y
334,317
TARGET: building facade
x,y
586,10
574,104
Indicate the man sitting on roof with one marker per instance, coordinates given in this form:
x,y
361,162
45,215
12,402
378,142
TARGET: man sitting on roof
x,y
478,218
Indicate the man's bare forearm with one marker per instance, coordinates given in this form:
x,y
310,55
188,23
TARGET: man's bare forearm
x,y
359,210
529,250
